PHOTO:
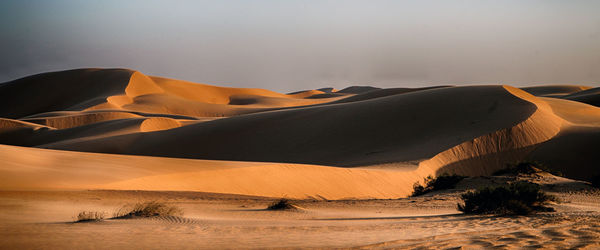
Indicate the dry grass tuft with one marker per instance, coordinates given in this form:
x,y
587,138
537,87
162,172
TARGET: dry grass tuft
x,y
442,182
148,209
282,204
89,216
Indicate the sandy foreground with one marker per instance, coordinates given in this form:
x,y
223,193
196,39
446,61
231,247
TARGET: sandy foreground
x,y
44,220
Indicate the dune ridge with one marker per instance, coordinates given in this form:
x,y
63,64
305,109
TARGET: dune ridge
x,y
505,146
10,124
76,120
555,90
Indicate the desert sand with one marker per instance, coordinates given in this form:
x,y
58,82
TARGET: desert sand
x,y
96,139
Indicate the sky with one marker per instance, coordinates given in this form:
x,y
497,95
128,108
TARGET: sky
x,y
306,44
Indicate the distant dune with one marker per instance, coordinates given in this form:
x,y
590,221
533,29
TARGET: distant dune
x,y
589,96
358,142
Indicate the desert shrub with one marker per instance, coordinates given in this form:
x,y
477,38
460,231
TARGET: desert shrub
x,y
87,216
148,209
433,184
526,167
519,198
418,189
281,204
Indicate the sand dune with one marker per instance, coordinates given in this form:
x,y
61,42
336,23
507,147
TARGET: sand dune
x,y
66,90
15,132
41,169
10,124
376,93
382,130
554,90
79,119
589,96
93,89
91,131
492,152
358,142
573,152
357,89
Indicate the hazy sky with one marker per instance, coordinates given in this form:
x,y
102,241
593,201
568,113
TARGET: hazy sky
x,y
293,45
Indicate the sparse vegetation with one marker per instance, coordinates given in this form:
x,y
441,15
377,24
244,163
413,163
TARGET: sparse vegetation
x,y
526,168
148,209
282,204
519,198
89,216
433,184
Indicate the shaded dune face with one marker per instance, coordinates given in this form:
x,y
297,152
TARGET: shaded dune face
x,y
358,142
56,91
588,96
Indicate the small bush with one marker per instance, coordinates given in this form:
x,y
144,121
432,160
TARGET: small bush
x,y
88,216
433,184
148,209
527,168
520,198
282,204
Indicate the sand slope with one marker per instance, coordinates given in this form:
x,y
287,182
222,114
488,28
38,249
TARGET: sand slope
x,y
65,90
41,169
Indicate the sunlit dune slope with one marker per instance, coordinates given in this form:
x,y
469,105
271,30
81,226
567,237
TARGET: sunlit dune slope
x,y
41,169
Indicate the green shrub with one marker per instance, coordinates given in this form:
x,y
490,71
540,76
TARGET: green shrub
x,y
433,184
520,198
282,204
148,209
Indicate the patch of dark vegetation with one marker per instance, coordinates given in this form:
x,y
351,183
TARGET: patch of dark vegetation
x,y
595,181
148,209
519,198
282,204
442,182
526,168
89,216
